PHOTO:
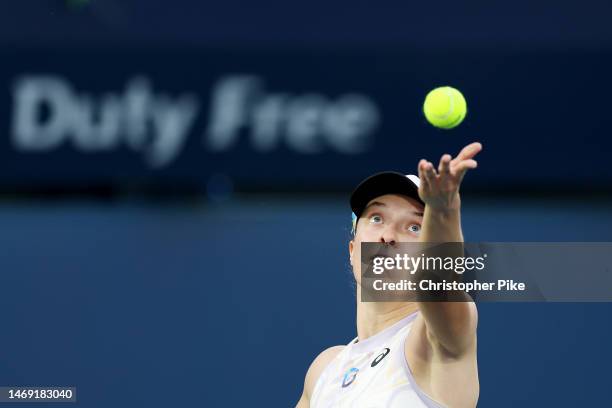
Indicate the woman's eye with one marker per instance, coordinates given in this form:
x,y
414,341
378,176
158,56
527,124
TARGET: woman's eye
x,y
415,228
375,219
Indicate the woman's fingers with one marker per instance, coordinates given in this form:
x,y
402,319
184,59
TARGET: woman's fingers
x,y
430,173
421,170
468,152
444,166
462,168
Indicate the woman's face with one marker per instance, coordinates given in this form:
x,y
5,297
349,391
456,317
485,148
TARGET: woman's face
x,y
387,219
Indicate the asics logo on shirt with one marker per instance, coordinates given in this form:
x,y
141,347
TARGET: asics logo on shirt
x,y
379,357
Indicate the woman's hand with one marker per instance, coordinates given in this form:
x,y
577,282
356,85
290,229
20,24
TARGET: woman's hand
x,y
440,190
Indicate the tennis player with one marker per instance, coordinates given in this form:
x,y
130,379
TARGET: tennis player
x,y
406,354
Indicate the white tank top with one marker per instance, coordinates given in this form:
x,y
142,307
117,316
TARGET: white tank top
x,y
372,373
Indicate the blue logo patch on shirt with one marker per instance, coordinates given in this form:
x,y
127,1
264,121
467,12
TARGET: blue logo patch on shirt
x,y
349,377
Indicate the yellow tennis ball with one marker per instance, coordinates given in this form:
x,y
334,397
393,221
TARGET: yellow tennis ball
x,y
445,107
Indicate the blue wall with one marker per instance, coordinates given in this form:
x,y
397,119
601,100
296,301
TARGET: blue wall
x,y
143,305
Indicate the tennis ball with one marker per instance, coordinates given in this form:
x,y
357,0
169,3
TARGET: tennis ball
x,y
445,107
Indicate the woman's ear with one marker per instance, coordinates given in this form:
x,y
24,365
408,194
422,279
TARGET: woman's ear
x,y
351,247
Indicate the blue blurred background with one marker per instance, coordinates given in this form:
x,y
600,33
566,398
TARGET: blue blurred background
x,y
174,182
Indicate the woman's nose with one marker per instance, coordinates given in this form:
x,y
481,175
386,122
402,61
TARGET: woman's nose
x,y
388,237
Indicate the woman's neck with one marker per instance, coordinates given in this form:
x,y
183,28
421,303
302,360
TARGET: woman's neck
x,y
374,317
